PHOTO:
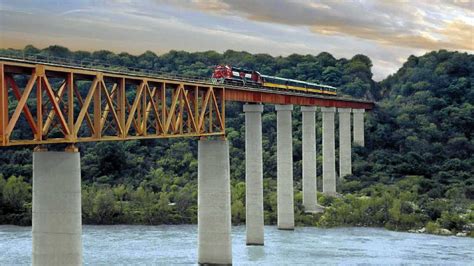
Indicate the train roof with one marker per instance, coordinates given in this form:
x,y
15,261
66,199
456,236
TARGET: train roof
x,y
299,81
243,69
246,70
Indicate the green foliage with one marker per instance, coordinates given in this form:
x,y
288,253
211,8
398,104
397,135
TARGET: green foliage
x,y
2,185
238,212
15,201
432,227
452,221
416,170
16,193
378,205
104,206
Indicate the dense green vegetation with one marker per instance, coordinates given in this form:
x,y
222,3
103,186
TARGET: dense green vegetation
x,y
416,170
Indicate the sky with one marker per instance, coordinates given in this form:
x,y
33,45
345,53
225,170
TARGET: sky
x,y
387,31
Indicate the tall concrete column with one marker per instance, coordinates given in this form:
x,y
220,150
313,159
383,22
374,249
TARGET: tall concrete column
x,y
57,220
286,211
359,127
309,160
254,174
214,210
329,153
345,157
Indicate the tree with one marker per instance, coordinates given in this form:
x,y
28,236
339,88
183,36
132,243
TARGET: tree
x,y
238,212
30,50
103,209
57,51
332,76
422,125
2,185
16,193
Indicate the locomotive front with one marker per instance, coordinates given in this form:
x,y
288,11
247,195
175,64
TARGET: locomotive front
x,y
236,76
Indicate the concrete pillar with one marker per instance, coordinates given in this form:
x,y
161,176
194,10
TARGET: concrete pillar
x,y
329,153
254,174
286,212
214,207
345,157
309,160
57,220
359,127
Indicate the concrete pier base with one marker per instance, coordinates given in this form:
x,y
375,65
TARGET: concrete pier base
x,y
359,127
310,201
329,152
286,211
254,174
345,157
57,220
214,207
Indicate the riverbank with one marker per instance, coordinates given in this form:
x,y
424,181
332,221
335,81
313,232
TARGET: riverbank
x,y
397,207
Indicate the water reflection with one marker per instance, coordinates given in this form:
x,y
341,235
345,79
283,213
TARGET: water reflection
x,y
255,253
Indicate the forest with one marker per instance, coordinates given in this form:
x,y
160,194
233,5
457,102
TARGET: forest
x,y
416,171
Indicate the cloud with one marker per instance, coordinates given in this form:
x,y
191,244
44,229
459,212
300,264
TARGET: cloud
x,y
213,5
385,31
459,32
466,4
393,23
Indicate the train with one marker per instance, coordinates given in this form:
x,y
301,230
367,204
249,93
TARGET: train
x,y
225,74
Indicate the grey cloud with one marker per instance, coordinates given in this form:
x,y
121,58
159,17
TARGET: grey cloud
x,y
465,4
393,23
290,27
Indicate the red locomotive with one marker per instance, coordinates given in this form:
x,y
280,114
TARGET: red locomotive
x,y
238,76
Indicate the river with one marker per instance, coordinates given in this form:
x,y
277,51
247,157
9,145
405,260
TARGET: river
x,y
177,244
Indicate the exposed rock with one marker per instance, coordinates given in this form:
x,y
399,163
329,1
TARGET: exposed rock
x,y
419,231
319,209
461,234
443,231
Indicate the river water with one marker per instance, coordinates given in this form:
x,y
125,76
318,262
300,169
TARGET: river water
x,y
151,245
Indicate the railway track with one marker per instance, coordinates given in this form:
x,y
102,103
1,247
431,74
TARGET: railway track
x,y
144,73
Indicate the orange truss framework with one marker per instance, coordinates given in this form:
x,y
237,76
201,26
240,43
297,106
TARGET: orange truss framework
x,y
71,105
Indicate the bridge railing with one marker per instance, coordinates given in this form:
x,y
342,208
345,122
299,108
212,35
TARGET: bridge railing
x,y
94,65
91,64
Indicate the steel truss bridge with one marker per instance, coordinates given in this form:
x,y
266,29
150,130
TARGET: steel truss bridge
x,y
69,103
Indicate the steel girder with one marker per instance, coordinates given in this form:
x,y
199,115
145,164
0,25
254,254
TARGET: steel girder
x,y
70,105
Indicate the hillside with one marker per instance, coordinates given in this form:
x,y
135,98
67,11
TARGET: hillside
x,y
421,139
417,169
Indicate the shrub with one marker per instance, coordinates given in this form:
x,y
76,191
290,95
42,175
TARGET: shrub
x,y
432,227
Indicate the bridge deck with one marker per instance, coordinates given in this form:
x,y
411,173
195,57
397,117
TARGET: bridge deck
x,y
66,103
239,93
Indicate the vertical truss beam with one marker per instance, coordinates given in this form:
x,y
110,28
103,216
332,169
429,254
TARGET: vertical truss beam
x,y
70,105
3,105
